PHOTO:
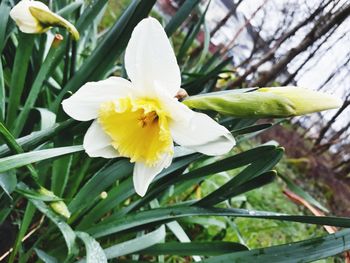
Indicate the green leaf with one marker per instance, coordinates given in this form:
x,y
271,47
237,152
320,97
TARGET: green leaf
x,y
50,63
37,138
98,183
299,191
136,244
194,248
90,13
226,164
181,15
5,8
236,185
204,221
66,230
12,144
94,252
195,86
205,50
70,8
47,118
8,182
2,94
117,195
22,159
163,215
254,183
172,171
44,256
251,129
61,167
304,251
19,73
191,36
25,223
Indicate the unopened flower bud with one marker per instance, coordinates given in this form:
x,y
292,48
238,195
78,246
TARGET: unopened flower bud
x,y
34,17
265,102
58,206
305,100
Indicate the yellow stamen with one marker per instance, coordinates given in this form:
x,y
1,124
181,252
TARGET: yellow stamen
x,y
138,128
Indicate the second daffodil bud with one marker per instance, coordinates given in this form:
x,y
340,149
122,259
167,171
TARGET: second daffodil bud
x,y
265,102
58,206
35,17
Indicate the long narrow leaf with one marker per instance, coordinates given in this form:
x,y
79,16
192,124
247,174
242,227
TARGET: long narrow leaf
x,y
66,230
181,15
194,248
136,244
94,252
162,215
22,159
304,251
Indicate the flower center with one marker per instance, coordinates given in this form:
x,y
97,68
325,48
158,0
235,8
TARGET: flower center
x,y
138,128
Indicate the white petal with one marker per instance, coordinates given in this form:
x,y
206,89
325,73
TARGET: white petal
x,y
84,104
144,175
202,134
97,143
24,19
150,60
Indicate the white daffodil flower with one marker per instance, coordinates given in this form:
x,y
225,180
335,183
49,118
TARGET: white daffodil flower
x,y
141,119
33,17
